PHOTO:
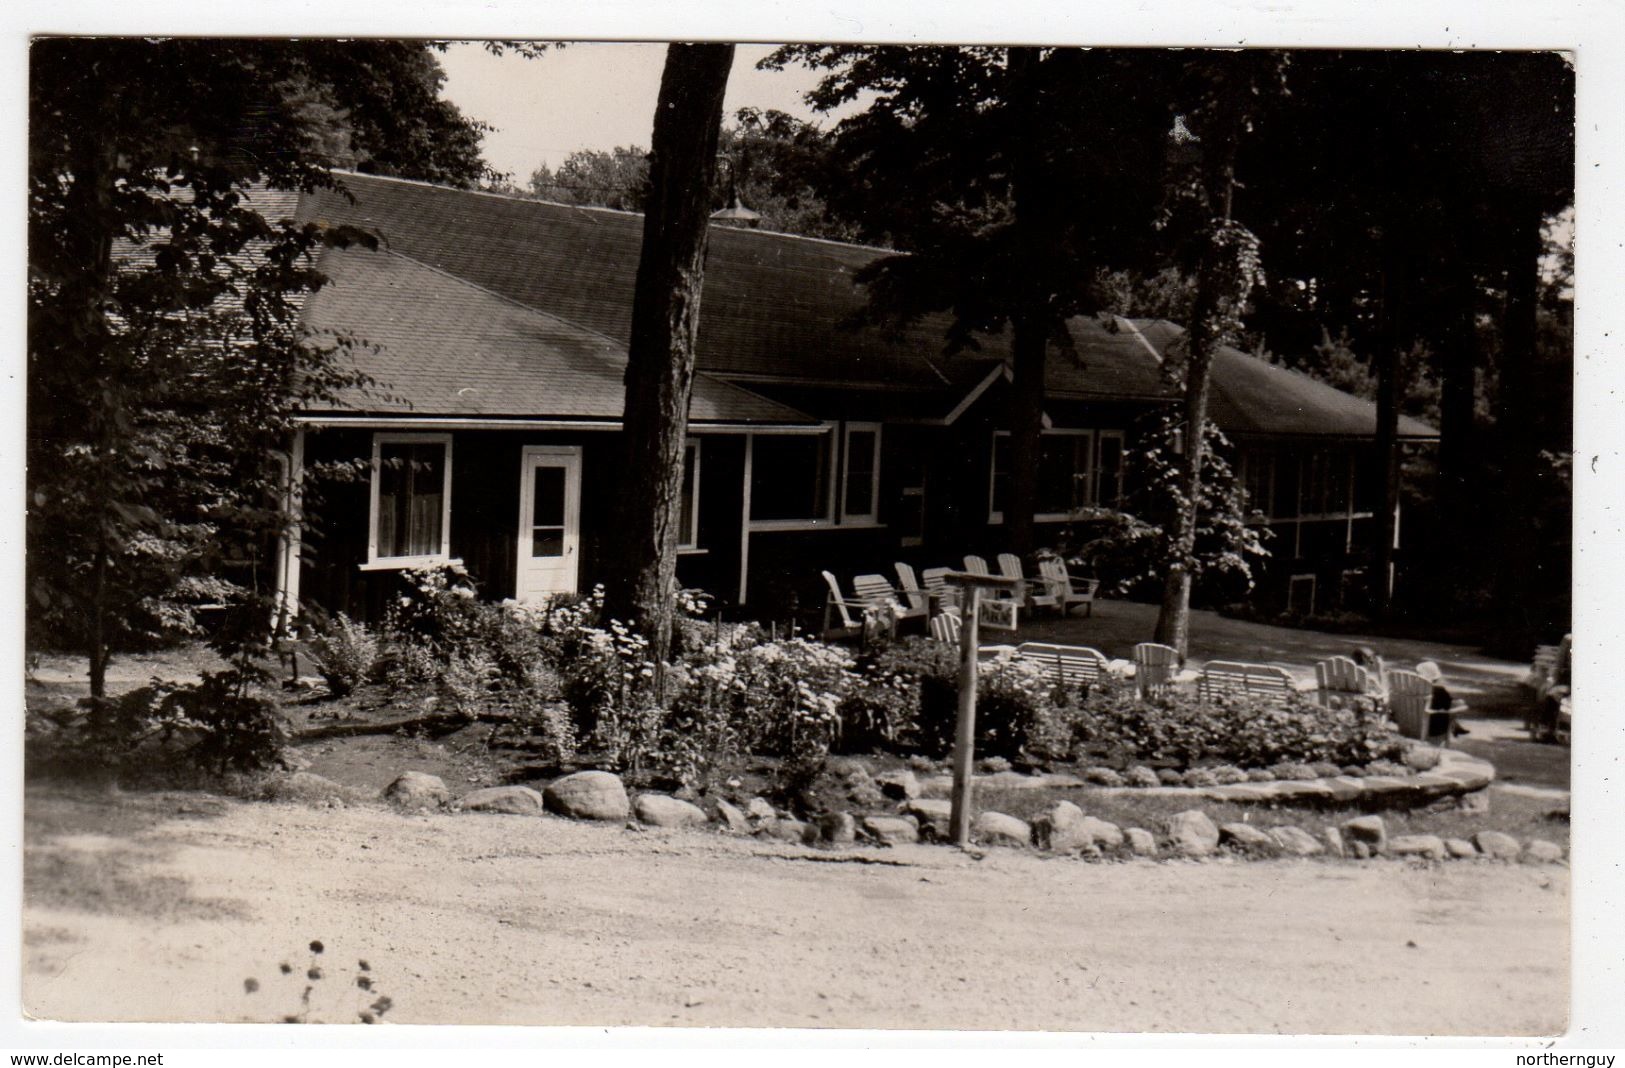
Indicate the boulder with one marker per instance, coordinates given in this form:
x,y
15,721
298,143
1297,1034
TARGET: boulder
x,y
788,830
1103,776
1477,803
1295,841
1201,777
993,765
1359,851
1540,851
588,795
416,789
1367,830
932,814
732,818
1430,846
1334,841
856,785
837,828
900,785
1141,841
1192,833
1170,777
758,809
1460,848
1140,775
892,830
1422,757
658,810
996,828
1102,833
1497,845
1247,837
1061,828
513,800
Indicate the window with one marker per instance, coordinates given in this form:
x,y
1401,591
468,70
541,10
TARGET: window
x,y
1257,476
790,478
1325,482
1065,473
411,499
688,516
1109,469
860,475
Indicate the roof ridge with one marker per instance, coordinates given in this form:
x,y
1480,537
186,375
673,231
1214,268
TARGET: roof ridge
x,y
511,198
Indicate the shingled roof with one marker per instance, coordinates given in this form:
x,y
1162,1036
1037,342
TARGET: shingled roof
x,y
440,346
496,274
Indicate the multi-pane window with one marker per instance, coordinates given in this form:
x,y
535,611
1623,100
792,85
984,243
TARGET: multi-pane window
x,y
861,469
790,477
411,490
1076,469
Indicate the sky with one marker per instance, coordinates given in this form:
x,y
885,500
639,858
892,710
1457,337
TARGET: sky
x,y
592,95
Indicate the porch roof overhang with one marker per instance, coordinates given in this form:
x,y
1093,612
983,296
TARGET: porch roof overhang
x,y
378,421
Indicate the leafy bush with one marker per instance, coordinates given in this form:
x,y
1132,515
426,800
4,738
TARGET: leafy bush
x,y
439,606
1175,727
1015,713
790,695
241,728
346,652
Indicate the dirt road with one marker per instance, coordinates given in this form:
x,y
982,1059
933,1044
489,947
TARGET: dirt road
x,y
159,907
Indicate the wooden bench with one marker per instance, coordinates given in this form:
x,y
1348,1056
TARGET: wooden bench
x,y
1069,666
1229,678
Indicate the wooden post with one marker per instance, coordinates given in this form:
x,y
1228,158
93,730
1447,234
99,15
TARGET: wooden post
x,y
965,727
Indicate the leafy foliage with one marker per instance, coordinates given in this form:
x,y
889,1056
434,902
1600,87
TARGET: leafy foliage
x,y
1132,550
1175,727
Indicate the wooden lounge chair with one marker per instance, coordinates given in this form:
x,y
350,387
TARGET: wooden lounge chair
x,y
1066,590
1410,705
908,585
1069,666
1340,677
945,626
1230,678
978,566
1409,696
937,588
877,590
847,609
1036,592
1154,667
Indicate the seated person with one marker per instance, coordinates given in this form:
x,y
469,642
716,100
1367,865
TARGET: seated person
x,y
1442,703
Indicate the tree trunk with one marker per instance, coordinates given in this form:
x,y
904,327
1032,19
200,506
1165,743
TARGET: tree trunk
x,y
1385,463
1029,326
1173,621
1457,461
641,581
1026,427
1515,430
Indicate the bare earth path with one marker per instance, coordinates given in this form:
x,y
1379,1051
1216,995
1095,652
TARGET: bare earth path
x,y
158,907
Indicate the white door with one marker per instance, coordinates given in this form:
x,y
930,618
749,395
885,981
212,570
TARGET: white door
x,y
549,521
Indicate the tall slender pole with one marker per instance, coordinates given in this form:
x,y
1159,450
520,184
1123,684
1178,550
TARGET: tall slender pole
x,y
965,729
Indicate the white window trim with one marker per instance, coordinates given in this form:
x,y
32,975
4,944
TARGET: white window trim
x,y
823,522
381,563
689,540
869,518
997,517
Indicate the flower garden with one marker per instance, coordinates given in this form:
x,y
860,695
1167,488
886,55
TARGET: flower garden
x,y
579,690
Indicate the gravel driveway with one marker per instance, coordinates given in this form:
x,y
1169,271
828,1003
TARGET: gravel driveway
x,y
160,907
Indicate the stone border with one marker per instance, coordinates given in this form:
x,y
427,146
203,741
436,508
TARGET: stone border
x,y
1455,773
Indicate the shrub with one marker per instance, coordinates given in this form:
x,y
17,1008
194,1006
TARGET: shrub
x,y
346,652
791,693
439,606
1176,727
241,729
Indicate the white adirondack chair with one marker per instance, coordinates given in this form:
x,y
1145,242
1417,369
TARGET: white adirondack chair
x,y
908,585
936,586
1222,678
877,590
1340,677
1410,697
1037,592
945,626
1154,667
836,605
1066,590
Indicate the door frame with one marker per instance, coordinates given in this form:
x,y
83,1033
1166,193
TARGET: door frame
x,y
571,457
